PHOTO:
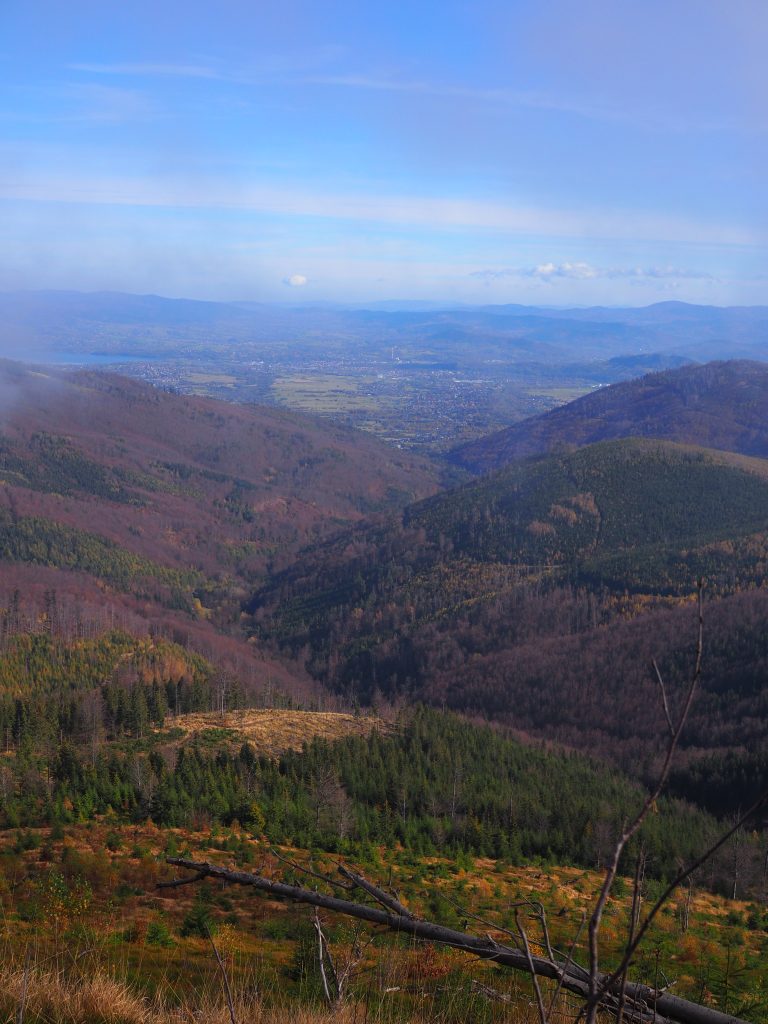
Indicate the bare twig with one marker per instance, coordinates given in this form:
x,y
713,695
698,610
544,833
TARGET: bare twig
x,y
633,916
322,952
542,916
663,689
222,968
568,963
184,881
308,871
490,993
571,977
678,881
356,954
468,915
596,990
535,980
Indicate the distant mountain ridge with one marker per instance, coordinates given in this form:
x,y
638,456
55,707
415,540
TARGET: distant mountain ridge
x,y
722,405
146,324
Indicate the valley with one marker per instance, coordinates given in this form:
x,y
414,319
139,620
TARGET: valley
x,y
425,379
228,628
383,513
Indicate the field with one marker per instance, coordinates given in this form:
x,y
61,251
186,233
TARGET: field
x,y
323,394
199,382
558,395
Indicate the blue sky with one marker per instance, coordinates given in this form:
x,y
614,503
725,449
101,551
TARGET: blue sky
x,y
599,151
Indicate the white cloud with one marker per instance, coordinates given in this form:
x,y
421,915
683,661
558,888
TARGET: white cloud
x,y
150,70
411,210
581,106
295,281
571,271
580,271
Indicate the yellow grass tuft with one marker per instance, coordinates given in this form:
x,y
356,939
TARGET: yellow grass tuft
x,y
50,998
47,996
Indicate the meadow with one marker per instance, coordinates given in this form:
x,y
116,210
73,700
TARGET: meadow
x,y
87,936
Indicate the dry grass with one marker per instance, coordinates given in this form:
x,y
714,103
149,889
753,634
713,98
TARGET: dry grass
x,y
273,732
50,998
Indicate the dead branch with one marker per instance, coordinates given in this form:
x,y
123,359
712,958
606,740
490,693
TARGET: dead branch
x,y
678,880
532,969
490,993
183,881
568,975
308,871
379,895
323,954
633,919
664,701
568,962
468,915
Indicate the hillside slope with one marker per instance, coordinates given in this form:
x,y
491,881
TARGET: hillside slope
x,y
494,598
162,508
720,405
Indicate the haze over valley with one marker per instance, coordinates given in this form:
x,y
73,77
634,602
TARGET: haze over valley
x,y
224,580
383,513
426,379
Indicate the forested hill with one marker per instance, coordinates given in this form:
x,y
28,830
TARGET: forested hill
x,y
158,511
182,480
432,782
604,500
119,439
495,598
720,405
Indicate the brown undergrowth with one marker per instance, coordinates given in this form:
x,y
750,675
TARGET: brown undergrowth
x,y
105,945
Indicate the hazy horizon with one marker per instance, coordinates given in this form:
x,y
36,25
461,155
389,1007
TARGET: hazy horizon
x,y
430,304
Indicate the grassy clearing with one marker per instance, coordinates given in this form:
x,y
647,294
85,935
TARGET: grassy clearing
x,y
272,732
66,997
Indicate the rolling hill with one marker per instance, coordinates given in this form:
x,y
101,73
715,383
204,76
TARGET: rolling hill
x,y
538,596
720,405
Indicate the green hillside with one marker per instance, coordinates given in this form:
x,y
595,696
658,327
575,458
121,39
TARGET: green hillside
x,y
495,598
573,517
95,718
608,497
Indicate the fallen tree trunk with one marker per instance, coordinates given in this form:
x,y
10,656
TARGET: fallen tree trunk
x,y
643,1002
